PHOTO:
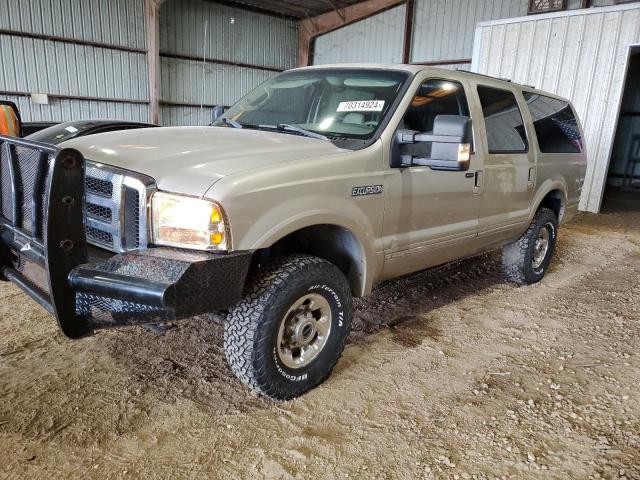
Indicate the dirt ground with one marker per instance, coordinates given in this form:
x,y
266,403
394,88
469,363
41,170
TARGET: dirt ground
x,y
452,373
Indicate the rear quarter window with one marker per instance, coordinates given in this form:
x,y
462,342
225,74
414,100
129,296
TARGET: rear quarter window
x,y
503,121
555,124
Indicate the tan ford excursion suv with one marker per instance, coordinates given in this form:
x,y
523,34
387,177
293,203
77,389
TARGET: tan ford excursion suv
x,y
315,187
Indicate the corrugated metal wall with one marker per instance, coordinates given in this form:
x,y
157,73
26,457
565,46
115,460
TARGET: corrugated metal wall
x,y
97,51
376,39
444,29
243,49
581,55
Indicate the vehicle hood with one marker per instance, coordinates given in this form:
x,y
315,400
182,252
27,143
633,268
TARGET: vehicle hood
x,y
191,159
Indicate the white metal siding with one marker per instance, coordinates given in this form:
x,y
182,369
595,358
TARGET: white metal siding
x,y
232,34
581,55
67,110
444,29
35,65
44,66
117,22
182,82
195,28
377,39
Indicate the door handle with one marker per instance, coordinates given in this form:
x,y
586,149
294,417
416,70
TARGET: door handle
x,y
479,180
531,180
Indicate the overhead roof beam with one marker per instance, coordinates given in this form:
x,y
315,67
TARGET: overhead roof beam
x,y
336,9
310,28
408,31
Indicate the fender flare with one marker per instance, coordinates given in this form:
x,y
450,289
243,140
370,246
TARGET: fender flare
x,y
364,237
548,186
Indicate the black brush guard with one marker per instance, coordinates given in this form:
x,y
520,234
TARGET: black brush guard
x,y
43,249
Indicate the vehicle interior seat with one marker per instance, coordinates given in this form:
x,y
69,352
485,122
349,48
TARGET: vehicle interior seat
x,y
354,118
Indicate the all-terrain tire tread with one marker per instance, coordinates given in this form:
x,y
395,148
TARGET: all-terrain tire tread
x,y
515,255
244,355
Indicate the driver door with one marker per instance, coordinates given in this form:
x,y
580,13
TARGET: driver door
x,y
431,216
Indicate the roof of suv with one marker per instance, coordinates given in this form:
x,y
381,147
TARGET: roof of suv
x,y
437,71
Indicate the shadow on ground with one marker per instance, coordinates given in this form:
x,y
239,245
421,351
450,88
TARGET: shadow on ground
x,y
188,360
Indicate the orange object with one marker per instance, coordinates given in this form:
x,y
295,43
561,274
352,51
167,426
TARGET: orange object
x,y
9,124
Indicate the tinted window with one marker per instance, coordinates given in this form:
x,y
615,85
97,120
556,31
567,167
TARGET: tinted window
x,y
434,97
503,121
555,124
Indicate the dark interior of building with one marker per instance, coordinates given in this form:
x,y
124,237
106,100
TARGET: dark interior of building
x,y
623,181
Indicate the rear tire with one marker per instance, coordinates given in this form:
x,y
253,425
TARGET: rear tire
x,y
526,260
287,334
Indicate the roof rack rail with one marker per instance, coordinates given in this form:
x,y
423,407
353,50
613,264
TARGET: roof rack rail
x,y
497,78
483,75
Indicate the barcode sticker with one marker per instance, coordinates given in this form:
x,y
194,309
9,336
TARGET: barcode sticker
x,y
361,106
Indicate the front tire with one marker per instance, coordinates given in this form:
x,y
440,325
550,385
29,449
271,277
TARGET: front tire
x,y
287,334
526,260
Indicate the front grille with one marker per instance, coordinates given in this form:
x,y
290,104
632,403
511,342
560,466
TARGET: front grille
x,y
99,237
99,186
35,274
116,208
5,185
96,211
29,165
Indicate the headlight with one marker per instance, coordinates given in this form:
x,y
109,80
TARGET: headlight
x,y
187,222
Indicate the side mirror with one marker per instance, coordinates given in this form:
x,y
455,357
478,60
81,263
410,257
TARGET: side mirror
x,y
217,112
450,144
10,122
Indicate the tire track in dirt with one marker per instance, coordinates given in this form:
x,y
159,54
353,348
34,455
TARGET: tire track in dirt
x,y
436,381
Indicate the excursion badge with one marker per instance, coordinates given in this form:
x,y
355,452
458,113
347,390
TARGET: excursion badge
x,y
366,190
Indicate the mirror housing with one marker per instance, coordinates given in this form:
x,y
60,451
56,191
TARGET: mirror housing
x,y
12,123
216,113
450,144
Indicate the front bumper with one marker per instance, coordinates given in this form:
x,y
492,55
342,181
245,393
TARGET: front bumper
x,y
157,284
43,249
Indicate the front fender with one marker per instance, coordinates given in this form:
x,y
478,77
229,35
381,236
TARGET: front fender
x,y
289,217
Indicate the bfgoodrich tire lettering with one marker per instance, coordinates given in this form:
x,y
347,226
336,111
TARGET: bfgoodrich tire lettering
x,y
521,260
251,329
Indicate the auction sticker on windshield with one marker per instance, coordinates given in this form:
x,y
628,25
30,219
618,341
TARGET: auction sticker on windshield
x,y
361,106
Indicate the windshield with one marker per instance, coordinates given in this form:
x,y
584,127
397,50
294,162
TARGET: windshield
x,y
345,103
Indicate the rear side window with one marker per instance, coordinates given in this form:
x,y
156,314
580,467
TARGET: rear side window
x,y
503,121
555,124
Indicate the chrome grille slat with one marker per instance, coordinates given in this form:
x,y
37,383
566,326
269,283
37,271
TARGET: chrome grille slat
x,y
99,200
111,227
116,222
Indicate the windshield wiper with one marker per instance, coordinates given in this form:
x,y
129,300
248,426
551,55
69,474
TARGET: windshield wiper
x,y
231,123
285,127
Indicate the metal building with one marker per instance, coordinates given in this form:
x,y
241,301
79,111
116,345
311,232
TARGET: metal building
x,y
212,54
171,61
583,55
96,62
441,32
89,64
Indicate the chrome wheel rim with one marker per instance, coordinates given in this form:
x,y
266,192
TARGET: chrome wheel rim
x,y
541,247
304,331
